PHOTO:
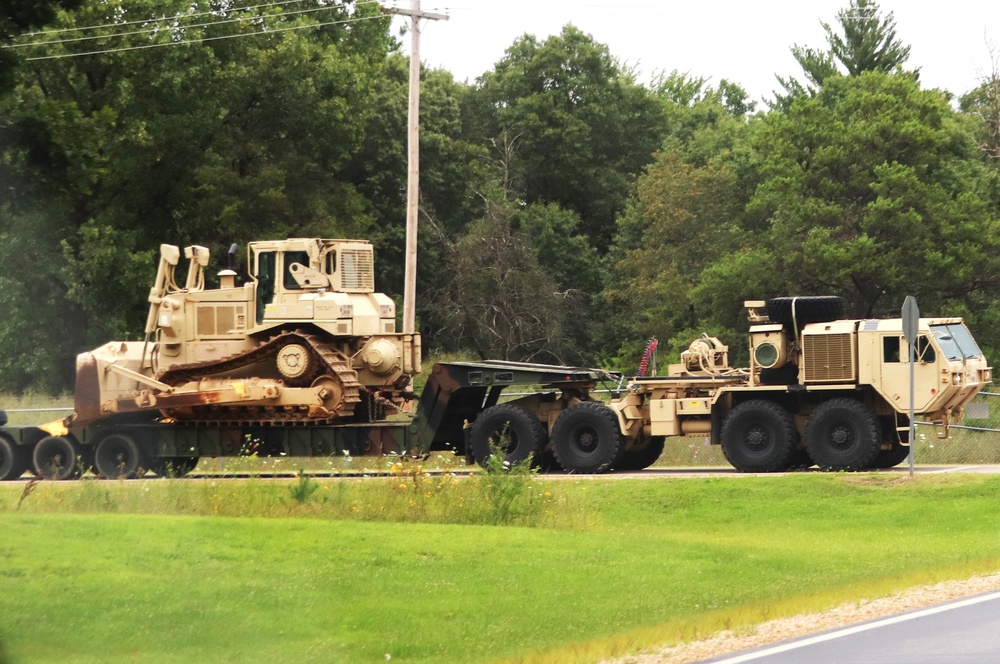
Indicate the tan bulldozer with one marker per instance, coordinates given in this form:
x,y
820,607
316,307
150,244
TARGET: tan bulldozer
x,y
306,339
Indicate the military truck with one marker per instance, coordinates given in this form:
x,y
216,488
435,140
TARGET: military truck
x,y
819,389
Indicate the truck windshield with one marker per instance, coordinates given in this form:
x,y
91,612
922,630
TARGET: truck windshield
x,y
956,341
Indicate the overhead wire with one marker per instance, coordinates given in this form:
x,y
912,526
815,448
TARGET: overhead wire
x,y
204,39
158,29
117,24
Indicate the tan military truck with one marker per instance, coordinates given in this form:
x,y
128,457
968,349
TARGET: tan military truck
x,y
819,389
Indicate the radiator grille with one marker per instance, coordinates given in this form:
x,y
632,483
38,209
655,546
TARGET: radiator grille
x,y
357,270
828,358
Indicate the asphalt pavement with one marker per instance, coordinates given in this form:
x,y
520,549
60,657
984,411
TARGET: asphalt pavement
x,y
966,631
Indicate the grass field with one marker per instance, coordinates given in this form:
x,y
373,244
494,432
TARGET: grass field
x,y
183,571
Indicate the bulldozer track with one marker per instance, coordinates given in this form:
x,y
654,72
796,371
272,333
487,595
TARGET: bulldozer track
x,y
333,362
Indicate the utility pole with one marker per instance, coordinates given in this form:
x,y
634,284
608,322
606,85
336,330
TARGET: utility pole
x,y
413,162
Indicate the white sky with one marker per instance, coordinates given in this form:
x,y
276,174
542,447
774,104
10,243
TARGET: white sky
x,y
745,41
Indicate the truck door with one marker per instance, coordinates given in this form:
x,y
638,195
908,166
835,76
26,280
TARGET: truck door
x,y
895,372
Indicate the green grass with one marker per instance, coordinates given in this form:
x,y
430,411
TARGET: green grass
x,y
164,571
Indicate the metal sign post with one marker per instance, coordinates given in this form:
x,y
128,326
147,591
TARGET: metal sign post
x,y
911,324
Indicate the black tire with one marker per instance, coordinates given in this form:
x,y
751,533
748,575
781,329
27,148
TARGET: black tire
x,y
586,438
512,428
14,459
119,456
843,434
813,309
55,458
759,436
174,466
642,456
892,457
3,417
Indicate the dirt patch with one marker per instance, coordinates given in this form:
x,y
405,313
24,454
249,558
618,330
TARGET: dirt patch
x,y
788,628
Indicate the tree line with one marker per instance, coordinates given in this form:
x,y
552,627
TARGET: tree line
x,y
568,211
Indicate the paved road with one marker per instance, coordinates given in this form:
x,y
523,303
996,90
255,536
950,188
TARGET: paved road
x,y
963,632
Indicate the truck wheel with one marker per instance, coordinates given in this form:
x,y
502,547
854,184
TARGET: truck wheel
x,y
813,309
118,456
843,434
55,458
759,437
511,428
14,459
892,457
586,438
643,456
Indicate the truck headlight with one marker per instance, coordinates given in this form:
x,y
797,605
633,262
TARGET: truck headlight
x,y
956,379
766,355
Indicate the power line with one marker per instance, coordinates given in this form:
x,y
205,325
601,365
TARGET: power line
x,y
152,20
153,31
204,39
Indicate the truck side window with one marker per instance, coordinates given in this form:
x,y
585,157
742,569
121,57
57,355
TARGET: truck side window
x,y
890,348
925,351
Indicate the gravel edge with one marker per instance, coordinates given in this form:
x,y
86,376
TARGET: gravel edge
x,y
844,615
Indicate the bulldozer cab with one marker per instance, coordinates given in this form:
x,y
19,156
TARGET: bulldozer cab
x,y
286,270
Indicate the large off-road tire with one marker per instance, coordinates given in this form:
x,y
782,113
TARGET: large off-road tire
x,y
14,459
759,436
511,428
55,458
586,438
642,456
843,434
119,456
812,309
892,457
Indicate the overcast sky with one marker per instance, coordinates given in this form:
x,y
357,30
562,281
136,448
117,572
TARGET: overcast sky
x,y
745,41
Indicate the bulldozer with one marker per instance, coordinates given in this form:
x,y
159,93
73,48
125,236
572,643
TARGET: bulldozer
x,y
305,340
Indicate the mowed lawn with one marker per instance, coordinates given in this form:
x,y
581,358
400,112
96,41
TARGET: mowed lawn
x,y
613,566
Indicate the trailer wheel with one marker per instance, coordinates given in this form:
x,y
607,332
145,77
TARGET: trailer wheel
x,y
843,434
511,428
812,309
14,459
759,437
55,458
586,438
643,456
118,456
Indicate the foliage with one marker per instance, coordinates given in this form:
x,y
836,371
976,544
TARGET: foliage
x,y
868,43
500,301
567,125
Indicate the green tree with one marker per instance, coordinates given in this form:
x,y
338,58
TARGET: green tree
x,y
872,190
19,16
866,42
566,124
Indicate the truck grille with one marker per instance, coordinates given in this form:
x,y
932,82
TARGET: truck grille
x,y
828,358
357,270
